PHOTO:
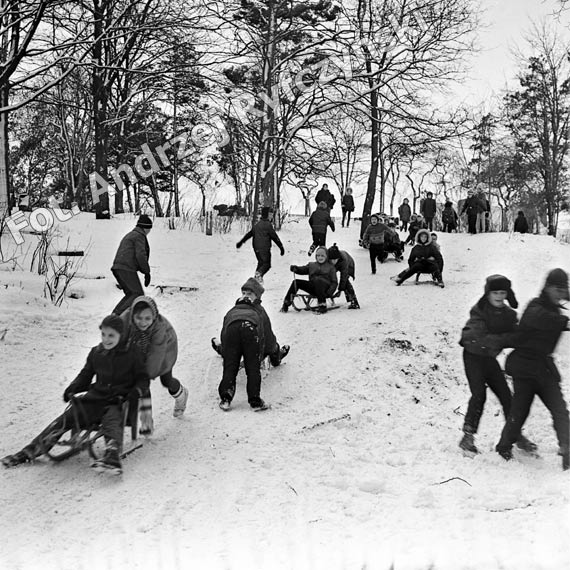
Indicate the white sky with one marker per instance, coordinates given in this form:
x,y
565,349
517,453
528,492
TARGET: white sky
x,y
504,26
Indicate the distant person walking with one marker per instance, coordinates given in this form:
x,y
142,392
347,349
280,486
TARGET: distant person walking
x,y
428,210
449,218
132,256
521,223
347,206
483,214
325,195
405,213
472,207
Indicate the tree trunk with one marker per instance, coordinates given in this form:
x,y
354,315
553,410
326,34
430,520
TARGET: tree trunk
x,y
6,201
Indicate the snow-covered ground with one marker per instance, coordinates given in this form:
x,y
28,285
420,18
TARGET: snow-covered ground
x,y
357,464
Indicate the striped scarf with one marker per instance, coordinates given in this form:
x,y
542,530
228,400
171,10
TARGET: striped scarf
x,y
141,339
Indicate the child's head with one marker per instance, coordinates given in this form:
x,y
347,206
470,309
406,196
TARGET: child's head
x,y
423,237
349,190
143,315
321,254
333,253
265,211
111,328
145,223
433,237
556,286
373,219
252,289
497,289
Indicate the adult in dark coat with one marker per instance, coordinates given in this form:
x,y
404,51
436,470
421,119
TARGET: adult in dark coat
x,y
425,257
320,220
132,256
492,326
263,234
347,207
472,207
405,213
521,224
344,264
428,210
533,369
325,195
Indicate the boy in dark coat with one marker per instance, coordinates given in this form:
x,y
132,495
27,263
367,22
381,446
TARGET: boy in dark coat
x,y
425,257
319,220
325,195
449,218
347,207
373,239
245,332
533,369
492,326
521,224
344,263
263,234
322,281
428,210
132,256
119,374
405,213
393,243
415,226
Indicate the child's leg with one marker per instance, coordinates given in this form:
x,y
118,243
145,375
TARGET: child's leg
x,y
372,253
319,239
348,219
232,357
251,349
112,424
131,287
320,287
171,383
474,370
263,261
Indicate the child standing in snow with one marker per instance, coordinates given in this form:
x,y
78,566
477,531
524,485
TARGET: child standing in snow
x,y
244,336
492,326
373,239
119,375
344,263
322,281
263,233
415,225
425,257
156,339
319,221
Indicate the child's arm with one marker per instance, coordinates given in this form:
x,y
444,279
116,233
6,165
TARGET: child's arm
x,y
82,380
244,238
163,342
141,256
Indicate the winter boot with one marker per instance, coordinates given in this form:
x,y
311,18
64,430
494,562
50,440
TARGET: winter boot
x,y
258,277
354,304
467,443
321,308
217,346
564,452
111,462
224,405
284,351
506,454
260,405
311,249
526,445
180,400
23,456
285,306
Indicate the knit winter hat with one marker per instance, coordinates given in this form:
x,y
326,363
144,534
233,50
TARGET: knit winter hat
x,y
113,322
333,252
558,278
499,282
254,286
144,222
323,249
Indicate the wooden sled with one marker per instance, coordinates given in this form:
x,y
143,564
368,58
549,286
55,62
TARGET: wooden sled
x,y
175,288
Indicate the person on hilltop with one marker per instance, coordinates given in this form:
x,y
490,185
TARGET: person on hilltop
x,y
132,256
521,223
347,206
325,195
428,210
344,264
472,207
449,218
263,234
533,369
405,214
492,327
320,220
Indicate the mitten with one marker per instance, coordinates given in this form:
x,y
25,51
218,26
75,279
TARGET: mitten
x,y
147,279
282,251
238,244
67,395
293,268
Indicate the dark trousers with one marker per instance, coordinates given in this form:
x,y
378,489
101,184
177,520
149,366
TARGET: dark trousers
x,y
376,252
169,382
349,292
86,414
472,223
429,223
129,282
319,239
548,390
404,226
449,227
423,266
346,213
483,371
263,261
317,287
241,340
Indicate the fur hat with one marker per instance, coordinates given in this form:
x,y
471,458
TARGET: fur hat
x,y
421,232
265,212
113,322
333,252
254,286
498,282
558,278
144,222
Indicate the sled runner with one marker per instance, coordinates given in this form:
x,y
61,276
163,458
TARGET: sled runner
x,y
175,288
306,302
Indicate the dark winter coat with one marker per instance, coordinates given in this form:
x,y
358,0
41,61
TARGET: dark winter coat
x,y
162,348
263,234
429,208
414,228
133,253
423,252
521,224
348,203
374,234
326,271
473,206
117,372
489,329
345,265
449,216
405,212
320,219
325,196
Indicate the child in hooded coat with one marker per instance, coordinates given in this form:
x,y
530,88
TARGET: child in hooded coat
x,y
344,264
425,257
492,326
156,339
319,221
119,376
322,281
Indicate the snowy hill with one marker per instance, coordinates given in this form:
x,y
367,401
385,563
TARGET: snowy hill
x,y
356,465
